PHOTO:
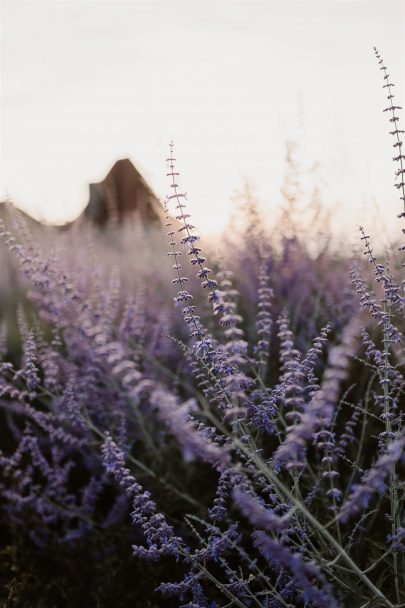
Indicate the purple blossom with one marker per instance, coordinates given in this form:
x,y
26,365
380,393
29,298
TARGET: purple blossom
x,y
318,413
179,422
218,543
159,535
258,514
219,511
308,580
30,370
373,481
264,321
397,541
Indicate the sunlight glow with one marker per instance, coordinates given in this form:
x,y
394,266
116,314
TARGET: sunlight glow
x,y
86,83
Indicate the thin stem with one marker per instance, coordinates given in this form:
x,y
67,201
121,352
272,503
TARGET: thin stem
x,y
396,132
315,523
393,484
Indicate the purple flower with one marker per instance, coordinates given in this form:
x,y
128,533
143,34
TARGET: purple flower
x,y
308,580
373,481
318,413
179,422
30,370
218,511
159,535
257,514
264,321
397,541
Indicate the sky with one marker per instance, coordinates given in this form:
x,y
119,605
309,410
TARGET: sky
x,y
84,83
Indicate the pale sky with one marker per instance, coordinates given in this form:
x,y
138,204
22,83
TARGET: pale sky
x,y
87,82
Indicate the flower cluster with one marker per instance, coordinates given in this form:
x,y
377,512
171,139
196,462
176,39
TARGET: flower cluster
x,y
234,443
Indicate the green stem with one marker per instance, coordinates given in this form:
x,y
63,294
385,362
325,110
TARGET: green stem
x,y
316,524
393,484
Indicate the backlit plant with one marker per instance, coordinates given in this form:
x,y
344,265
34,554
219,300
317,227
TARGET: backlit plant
x,y
259,460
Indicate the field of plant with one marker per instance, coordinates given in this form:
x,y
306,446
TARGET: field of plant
x,y
182,428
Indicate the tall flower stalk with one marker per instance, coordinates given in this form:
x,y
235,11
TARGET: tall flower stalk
x,y
387,314
396,131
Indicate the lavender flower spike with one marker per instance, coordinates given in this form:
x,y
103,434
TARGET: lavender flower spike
x,y
374,480
306,574
318,413
179,422
159,535
257,514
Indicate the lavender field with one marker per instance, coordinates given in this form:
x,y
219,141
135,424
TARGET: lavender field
x,y
182,428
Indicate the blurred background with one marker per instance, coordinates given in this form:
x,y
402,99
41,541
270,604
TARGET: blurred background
x,y
85,83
